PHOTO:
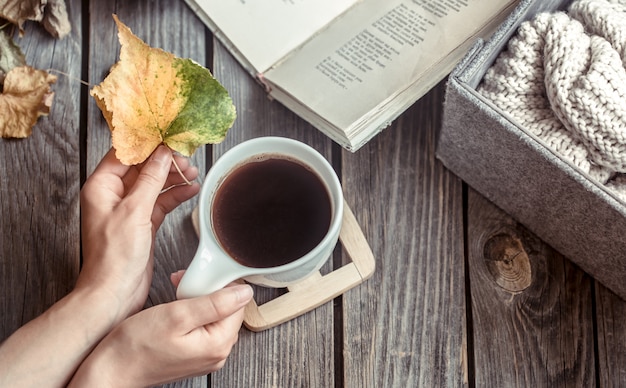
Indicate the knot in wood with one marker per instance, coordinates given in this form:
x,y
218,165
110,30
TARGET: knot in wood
x,y
508,262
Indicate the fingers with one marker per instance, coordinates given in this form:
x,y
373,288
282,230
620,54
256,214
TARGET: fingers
x,y
111,165
176,277
151,179
170,199
107,177
174,177
176,189
182,163
217,306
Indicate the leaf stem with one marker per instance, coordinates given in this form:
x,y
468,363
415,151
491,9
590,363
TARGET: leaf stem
x,y
179,171
69,76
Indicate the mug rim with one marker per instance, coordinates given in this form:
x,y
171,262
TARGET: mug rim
x,y
208,192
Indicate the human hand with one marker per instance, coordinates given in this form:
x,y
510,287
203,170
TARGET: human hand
x,y
122,208
168,342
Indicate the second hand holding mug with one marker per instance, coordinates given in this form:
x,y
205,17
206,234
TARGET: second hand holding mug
x,y
285,246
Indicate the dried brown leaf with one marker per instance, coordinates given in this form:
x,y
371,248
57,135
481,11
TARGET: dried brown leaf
x,y
51,13
55,19
26,97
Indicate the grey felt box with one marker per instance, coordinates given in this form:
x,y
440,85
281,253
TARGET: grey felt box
x,y
514,169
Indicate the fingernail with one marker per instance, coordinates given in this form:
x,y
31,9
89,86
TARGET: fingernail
x,y
244,293
161,155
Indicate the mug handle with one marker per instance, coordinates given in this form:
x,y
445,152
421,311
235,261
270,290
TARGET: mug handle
x,y
209,271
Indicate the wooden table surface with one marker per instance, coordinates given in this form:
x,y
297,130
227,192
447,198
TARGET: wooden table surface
x,y
443,308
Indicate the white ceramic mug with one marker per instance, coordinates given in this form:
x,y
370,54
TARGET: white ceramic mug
x,y
212,268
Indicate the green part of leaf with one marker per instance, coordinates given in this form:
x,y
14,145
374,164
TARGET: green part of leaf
x,y
206,116
10,55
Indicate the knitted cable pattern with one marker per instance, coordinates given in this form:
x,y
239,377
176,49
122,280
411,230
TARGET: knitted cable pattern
x,y
563,78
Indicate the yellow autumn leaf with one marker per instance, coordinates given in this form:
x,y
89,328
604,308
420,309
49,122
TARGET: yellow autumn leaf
x,y
26,96
151,97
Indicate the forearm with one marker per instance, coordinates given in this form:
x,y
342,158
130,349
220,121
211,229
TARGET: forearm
x,y
47,350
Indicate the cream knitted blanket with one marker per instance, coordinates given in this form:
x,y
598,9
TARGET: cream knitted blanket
x,y
563,78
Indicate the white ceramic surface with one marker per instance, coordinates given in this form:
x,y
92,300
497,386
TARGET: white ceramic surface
x,y
211,268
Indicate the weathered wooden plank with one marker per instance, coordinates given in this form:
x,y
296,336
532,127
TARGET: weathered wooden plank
x,y
39,187
104,51
298,353
531,307
610,313
173,27
406,325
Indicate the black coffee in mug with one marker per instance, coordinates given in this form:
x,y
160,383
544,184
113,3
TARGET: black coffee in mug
x,y
270,211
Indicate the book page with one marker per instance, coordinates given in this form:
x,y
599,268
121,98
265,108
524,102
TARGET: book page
x,y
376,50
264,31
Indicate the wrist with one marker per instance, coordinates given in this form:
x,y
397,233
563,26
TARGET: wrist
x,y
118,301
102,309
106,365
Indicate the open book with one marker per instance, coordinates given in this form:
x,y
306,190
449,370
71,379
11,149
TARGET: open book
x,y
350,67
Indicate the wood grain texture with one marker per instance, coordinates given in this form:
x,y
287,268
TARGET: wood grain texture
x,y
406,325
611,310
541,336
170,26
298,353
39,187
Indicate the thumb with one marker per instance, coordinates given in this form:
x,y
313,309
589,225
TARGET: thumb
x,y
217,306
152,176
